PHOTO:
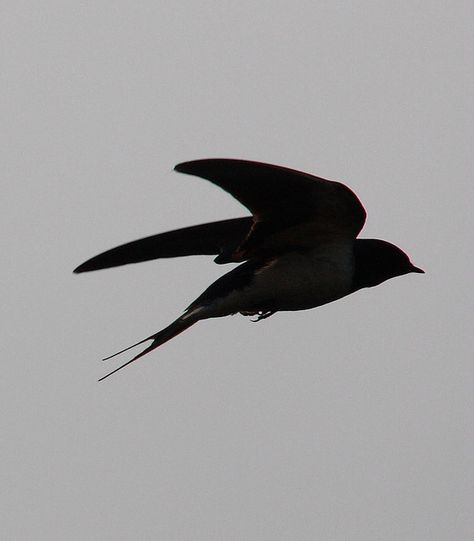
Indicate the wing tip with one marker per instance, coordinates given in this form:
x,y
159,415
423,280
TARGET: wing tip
x,y
178,167
194,167
189,167
88,266
81,268
184,167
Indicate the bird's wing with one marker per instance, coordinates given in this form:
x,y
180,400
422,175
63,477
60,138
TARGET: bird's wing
x,y
205,239
290,208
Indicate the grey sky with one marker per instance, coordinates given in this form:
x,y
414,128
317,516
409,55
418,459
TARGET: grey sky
x,y
349,422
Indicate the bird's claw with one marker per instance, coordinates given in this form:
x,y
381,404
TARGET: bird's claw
x,y
260,314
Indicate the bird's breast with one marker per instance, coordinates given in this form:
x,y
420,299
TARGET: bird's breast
x,y
295,280
306,279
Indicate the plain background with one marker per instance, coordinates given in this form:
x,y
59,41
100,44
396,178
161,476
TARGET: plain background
x,y
349,422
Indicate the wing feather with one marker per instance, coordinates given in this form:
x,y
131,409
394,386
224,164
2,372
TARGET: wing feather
x,y
290,208
205,239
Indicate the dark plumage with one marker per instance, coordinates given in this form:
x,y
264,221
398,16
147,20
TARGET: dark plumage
x,y
299,248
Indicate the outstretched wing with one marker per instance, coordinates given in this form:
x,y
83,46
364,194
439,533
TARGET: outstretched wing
x,y
205,239
290,209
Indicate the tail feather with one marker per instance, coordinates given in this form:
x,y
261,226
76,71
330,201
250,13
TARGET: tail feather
x,y
159,338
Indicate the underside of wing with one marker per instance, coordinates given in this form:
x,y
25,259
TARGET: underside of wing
x,y
290,208
206,239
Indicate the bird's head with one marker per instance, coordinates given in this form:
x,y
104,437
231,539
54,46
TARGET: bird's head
x,y
379,260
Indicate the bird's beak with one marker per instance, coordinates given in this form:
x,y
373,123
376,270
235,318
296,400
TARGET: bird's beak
x,y
416,269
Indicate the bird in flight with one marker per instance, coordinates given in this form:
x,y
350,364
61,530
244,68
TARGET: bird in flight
x,y
298,249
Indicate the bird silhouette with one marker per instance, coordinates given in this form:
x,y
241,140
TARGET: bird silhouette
x,y
298,250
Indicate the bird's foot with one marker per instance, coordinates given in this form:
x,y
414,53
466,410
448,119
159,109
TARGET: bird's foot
x,y
259,313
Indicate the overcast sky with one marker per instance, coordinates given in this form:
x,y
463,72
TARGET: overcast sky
x,y
352,421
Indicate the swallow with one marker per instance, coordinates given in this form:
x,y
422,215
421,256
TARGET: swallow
x,y
298,249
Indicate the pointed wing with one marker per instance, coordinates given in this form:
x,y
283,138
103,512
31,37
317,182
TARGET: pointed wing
x,y
204,239
290,208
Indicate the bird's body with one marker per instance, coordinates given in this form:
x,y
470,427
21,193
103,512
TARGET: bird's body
x,y
299,249
296,280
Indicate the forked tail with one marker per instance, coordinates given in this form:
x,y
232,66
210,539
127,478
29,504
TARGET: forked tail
x,y
177,327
